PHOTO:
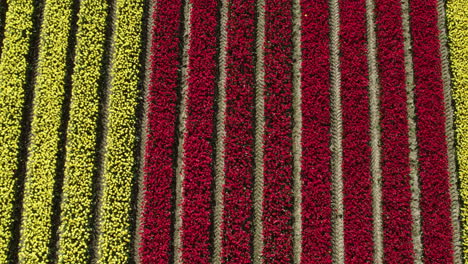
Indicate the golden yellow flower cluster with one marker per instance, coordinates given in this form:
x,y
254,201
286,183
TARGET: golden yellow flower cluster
x,y
41,167
77,194
119,166
457,22
13,67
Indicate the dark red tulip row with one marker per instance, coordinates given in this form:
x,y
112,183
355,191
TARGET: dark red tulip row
x,y
160,145
316,154
357,192
239,128
277,204
199,138
432,146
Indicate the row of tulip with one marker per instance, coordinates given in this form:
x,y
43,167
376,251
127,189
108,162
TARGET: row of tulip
x,y
75,229
161,141
198,143
316,133
47,118
394,127
120,169
437,231
357,195
239,126
13,69
457,22
277,159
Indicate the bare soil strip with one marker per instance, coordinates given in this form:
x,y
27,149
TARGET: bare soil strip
x,y
414,164
219,175
259,133
374,94
297,133
337,133
180,155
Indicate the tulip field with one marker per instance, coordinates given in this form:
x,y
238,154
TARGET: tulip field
x,y
224,131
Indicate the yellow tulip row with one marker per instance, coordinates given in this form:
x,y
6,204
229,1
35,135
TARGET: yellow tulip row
x,y
119,164
457,22
75,229
41,167
13,68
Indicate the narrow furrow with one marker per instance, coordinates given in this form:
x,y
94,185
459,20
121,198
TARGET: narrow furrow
x,y
316,134
396,193
80,166
297,131
357,191
278,202
181,133
413,143
375,133
160,144
336,131
220,137
240,91
14,64
199,139
259,131
429,102
46,134
120,167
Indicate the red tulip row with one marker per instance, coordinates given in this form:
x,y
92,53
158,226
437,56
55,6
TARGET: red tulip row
x,y
357,198
432,146
277,203
395,164
160,146
239,142
316,154
199,138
